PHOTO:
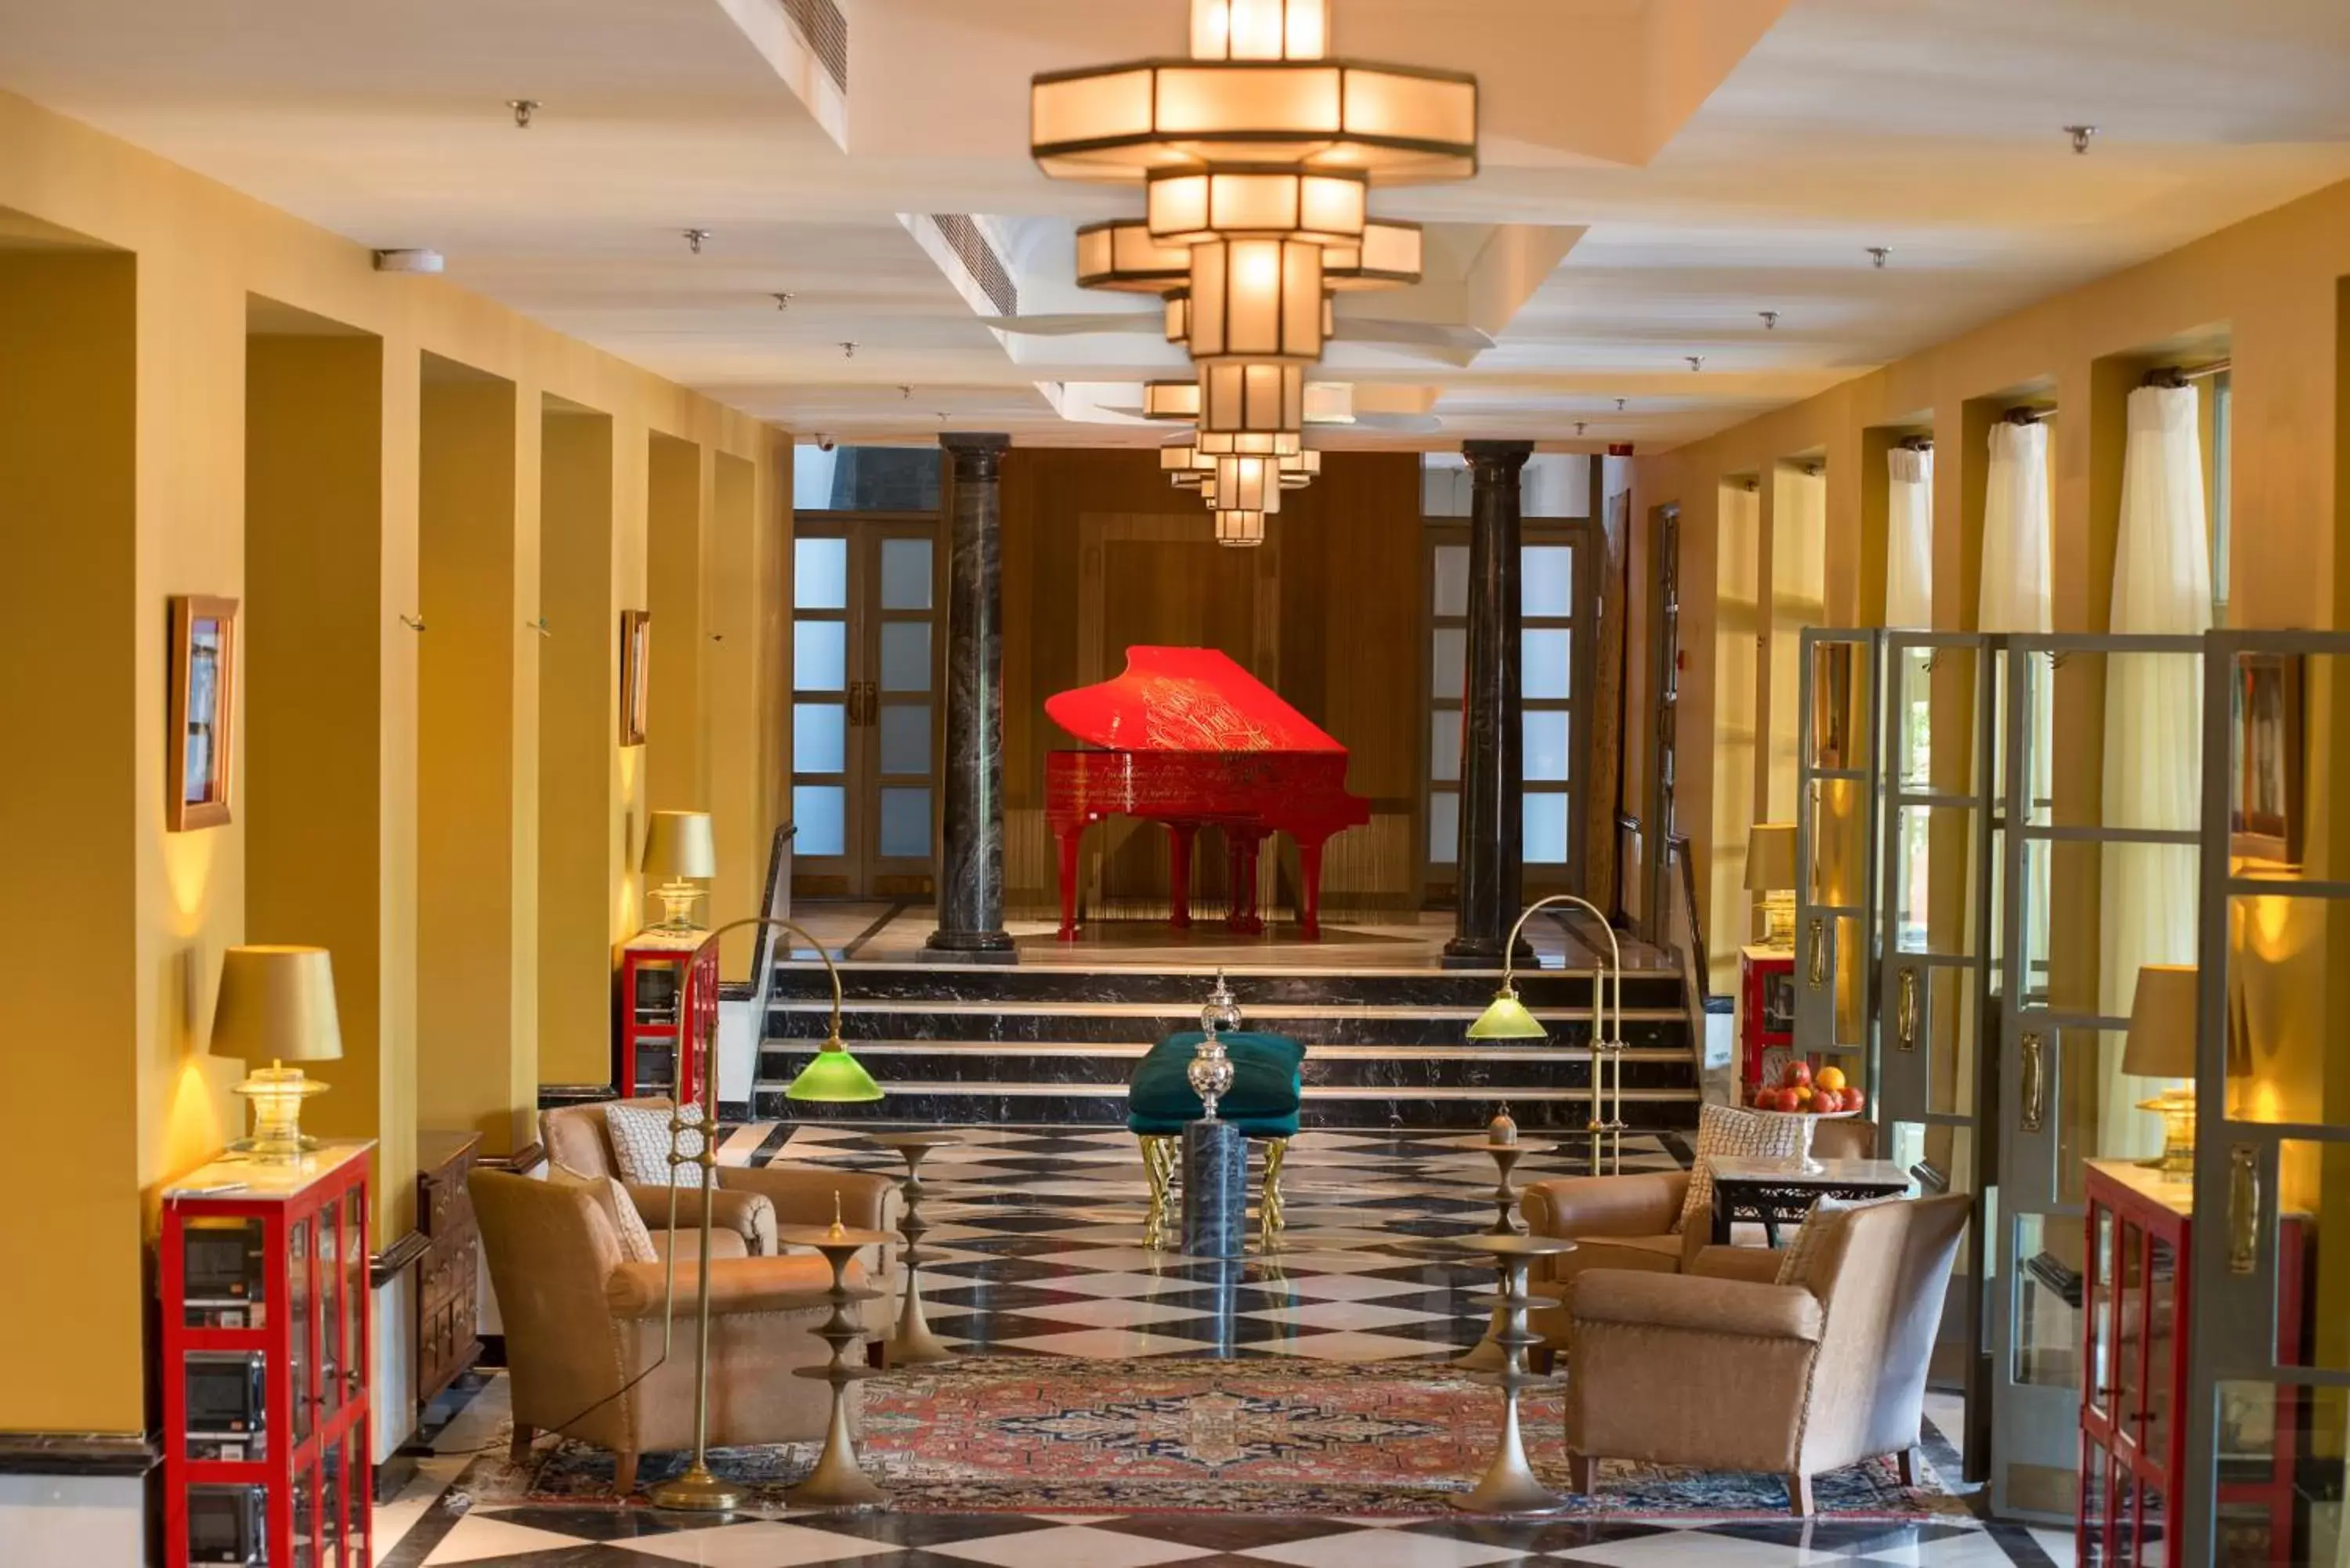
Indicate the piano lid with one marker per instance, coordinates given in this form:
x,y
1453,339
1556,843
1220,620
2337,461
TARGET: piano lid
x,y
1185,699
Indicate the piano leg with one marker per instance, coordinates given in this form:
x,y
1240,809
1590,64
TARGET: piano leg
x,y
1244,843
1309,889
1179,874
1070,837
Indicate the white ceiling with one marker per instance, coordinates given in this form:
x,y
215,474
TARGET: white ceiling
x,y
1655,173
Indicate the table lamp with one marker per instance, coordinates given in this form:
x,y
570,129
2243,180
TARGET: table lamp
x,y
277,1003
1770,871
681,851
2161,1044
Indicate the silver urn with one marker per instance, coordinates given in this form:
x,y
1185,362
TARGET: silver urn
x,y
1210,1071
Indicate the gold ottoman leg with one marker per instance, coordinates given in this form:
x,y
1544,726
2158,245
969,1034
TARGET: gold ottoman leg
x,y
1159,1159
1269,1207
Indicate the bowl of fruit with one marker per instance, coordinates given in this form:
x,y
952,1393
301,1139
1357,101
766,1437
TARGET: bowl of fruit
x,y
1808,1098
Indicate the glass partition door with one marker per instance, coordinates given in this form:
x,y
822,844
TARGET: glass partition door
x,y
2266,1422
2064,1017
1937,983
1835,824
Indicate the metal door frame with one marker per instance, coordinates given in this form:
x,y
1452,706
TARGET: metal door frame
x,y
1902,1076
1817,959
1664,734
2030,1419
2232,1333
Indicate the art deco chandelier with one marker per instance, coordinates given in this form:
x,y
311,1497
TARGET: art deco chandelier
x,y
1256,156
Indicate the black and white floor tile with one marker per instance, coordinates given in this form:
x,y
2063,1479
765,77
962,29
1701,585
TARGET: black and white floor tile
x,y
1040,1232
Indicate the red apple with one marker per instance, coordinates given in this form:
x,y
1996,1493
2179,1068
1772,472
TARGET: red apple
x,y
1852,1100
1798,1074
1827,1102
1788,1102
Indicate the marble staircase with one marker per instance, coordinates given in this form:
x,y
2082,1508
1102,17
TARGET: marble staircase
x,y
978,1043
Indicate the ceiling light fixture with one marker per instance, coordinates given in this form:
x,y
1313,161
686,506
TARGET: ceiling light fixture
x,y
1620,405
1579,426
524,108
2081,135
693,238
1877,255
1696,361
848,350
1770,320
1256,156
783,300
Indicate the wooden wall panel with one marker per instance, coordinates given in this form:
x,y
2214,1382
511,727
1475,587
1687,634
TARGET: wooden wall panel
x,y
1099,552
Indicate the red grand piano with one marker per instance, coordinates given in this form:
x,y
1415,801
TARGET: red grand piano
x,y
1192,739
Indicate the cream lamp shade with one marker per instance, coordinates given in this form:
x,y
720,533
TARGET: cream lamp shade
x,y
2161,1042
276,1004
680,846
1771,858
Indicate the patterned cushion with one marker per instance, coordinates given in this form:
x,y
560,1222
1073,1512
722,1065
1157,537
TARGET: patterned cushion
x,y
1803,1253
620,1210
1726,1131
640,1144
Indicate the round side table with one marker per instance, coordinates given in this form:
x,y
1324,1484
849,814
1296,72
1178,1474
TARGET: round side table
x,y
837,1481
912,1343
1509,1484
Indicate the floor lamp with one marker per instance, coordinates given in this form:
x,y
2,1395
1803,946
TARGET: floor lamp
x,y
1507,1018
834,1074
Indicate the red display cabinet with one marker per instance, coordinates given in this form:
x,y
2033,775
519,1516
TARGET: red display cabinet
x,y
267,1455
649,1015
1766,1015
2135,1304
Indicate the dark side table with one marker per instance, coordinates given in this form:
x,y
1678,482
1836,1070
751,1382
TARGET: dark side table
x,y
1775,1192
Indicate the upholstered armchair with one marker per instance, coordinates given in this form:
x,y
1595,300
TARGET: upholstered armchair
x,y
584,1330
1720,1369
1627,1222
749,1201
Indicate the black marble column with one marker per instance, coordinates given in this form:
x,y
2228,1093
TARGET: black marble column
x,y
1493,726
971,865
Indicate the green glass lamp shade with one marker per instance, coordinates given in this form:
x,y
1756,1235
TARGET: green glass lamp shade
x,y
1506,1019
833,1077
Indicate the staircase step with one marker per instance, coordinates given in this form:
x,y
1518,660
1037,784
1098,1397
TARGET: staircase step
x,y
1409,1069
1186,987
1315,1024
969,1105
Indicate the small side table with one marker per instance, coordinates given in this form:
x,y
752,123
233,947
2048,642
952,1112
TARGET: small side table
x,y
1505,1196
914,1344
1777,1193
1509,1485
837,1481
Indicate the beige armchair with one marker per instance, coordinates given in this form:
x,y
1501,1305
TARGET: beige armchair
x,y
749,1201
584,1334
1627,1222
1823,1375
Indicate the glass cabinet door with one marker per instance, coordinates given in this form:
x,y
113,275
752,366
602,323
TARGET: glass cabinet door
x,y
300,1328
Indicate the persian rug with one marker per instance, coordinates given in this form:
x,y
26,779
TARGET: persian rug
x,y
1045,1434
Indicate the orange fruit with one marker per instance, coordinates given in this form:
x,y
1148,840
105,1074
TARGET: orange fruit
x,y
1830,1078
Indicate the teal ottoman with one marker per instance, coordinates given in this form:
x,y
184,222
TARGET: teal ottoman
x,y
1268,1084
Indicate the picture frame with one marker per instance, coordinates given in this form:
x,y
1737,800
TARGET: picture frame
x,y
2266,814
200,746
636,687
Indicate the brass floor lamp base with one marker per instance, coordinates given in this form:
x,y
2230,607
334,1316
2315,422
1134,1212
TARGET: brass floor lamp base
x,y
697,1492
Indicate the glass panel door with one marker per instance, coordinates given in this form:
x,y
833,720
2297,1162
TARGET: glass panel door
x,y
2067,877
868,653
1836,819
2266,1414
1657,823
1938,835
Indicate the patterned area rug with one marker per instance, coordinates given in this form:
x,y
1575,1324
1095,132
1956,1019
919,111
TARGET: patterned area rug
x,y
1041,1435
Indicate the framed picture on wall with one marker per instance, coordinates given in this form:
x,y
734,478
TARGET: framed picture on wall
x,y
199,752
635,647
2265,812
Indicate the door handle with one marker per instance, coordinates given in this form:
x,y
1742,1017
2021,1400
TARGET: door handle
x,y
1905,1012
2244,1210
2036,1082
1819,972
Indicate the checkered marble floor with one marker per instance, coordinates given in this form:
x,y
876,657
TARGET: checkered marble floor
x,y
1041,1235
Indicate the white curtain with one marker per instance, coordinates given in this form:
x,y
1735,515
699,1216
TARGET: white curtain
x,y
1909,541
2154,716
2015,596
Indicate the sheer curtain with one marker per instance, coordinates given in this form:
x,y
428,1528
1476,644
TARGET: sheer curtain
x,y
2014,598
1909,541
2154,714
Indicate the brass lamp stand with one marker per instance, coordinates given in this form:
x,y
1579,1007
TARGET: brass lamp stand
x,y
1507,1018
698,1490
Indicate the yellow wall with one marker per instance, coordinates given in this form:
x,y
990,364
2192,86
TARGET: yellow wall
x,y
127,455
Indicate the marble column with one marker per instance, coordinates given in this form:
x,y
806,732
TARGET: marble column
x,y
971,864
1490,858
